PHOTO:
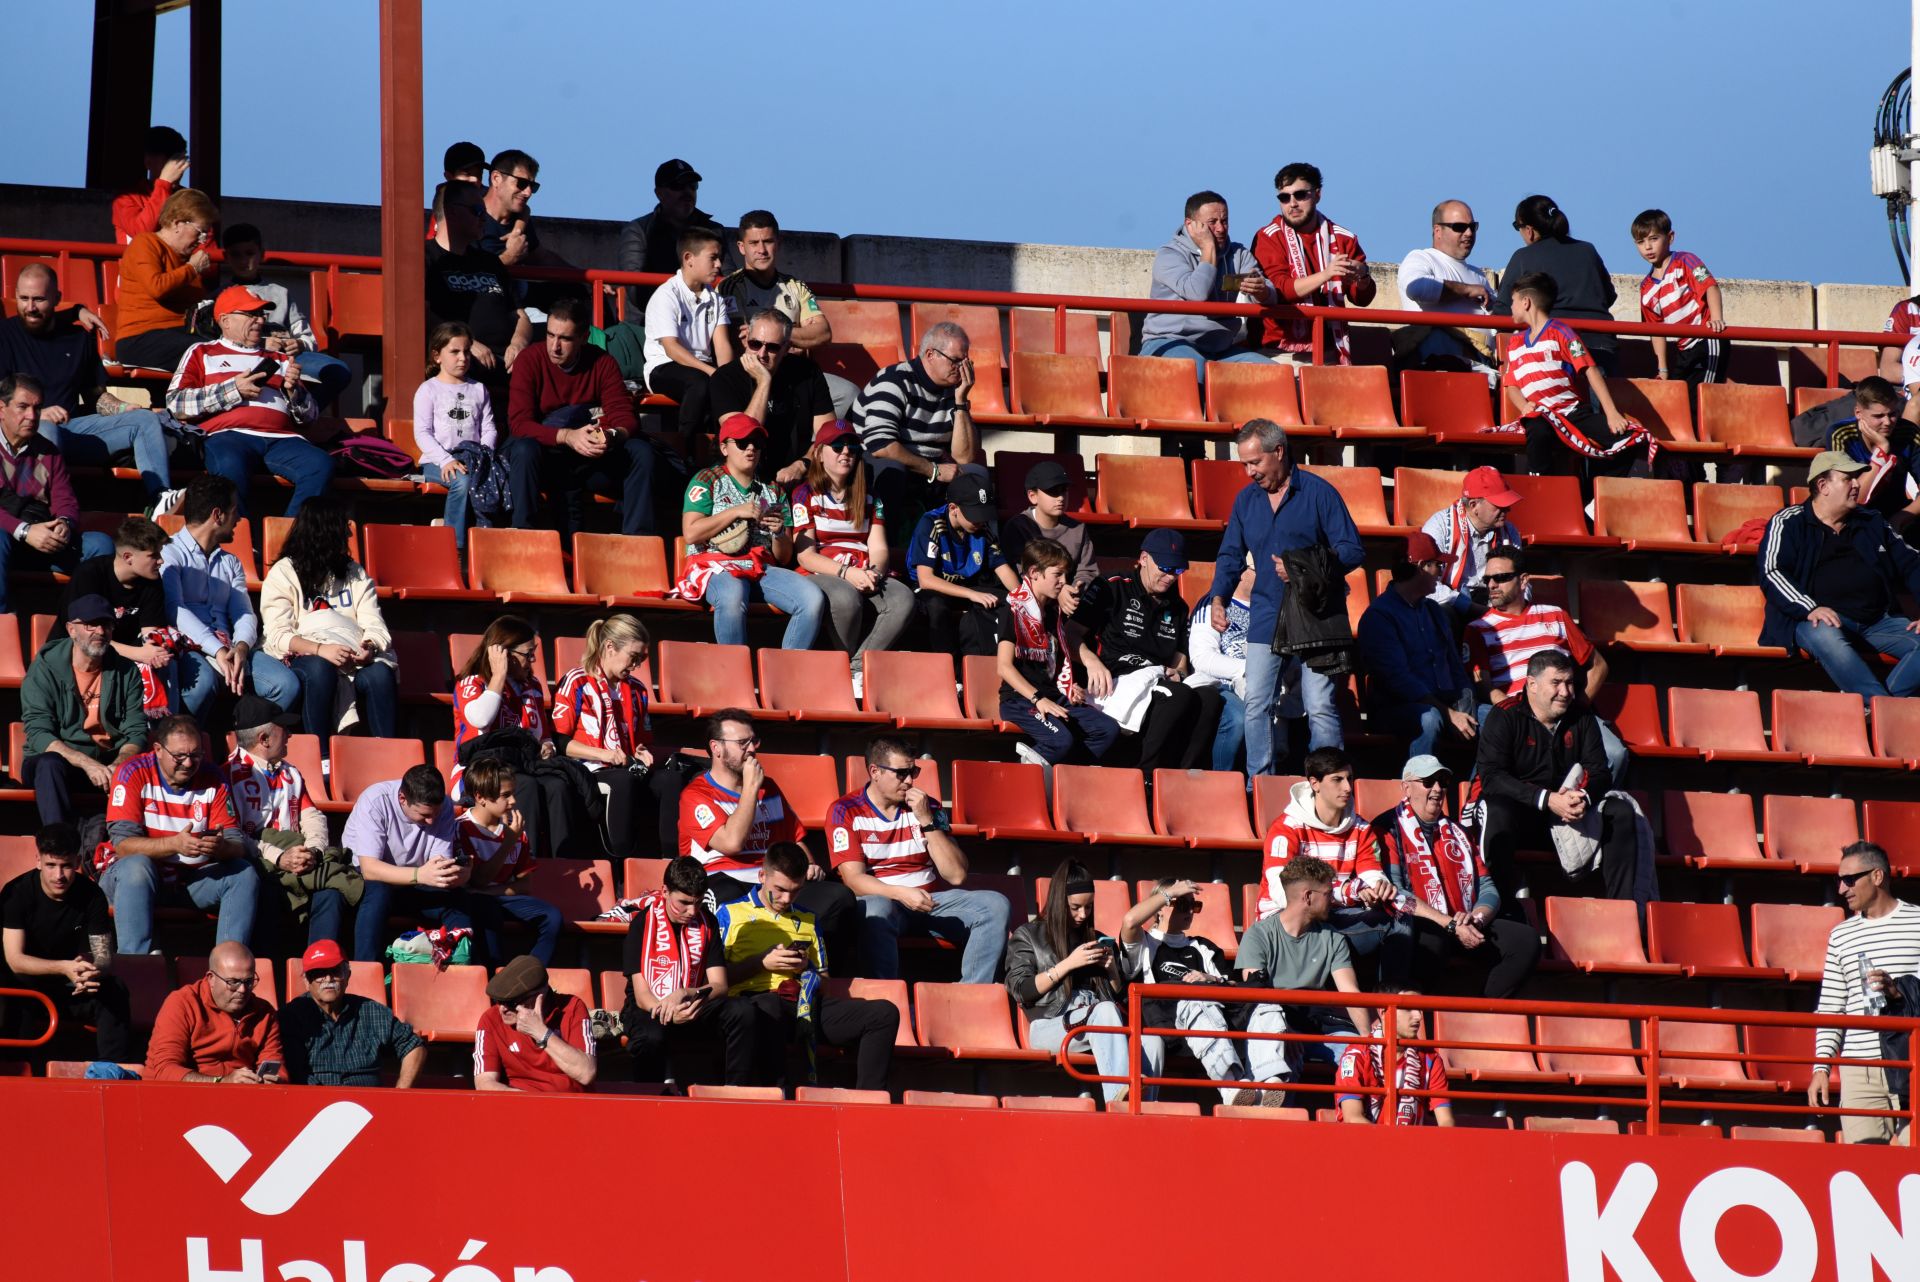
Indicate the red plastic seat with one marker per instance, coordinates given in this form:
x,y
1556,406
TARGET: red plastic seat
x,y
359,763
622,569
855,362
303,750
1663,408
1160,393
1704,938
1723,724
423,666
1719,510
1651,516
1713,830
1214,920
1508,1061
1789,1044
442,1005
1783,1133
1353,400
872,324
1792,938
884,990
417,563
639,876
969,1021
1005,801
809,783
948,1099
76,279
1714,1074
1270,796
572,981
189,969
1726,616
1750,421
1828,729
366,979
18,854
1216,484
1419,492
1030,329
839,1095
1361,490
980,682
1147,490
1600,936
241,545
1058,1104
1676,1130
581,889
1454,406
1603,1053
347,309
915,690
148,984
1806,398
1809,832
742,1094
811,685
1240,391
1635,615
1010,468
13,667
707,677
1634,710
1550,512
1572,1125
1106,803
1894,826
521,566
1207,808
1896,728
1062,391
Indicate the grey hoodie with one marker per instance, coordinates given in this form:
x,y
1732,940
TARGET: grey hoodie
x,y
1178,272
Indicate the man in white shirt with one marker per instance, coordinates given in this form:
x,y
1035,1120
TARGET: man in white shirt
x,y
1877,944
689,333
1441,279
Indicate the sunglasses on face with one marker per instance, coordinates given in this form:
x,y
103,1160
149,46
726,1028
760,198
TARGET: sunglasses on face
x,y
755,345
845,443
528,185
1299,194
1190,904
1461,227
1508,577
1848,878
909,773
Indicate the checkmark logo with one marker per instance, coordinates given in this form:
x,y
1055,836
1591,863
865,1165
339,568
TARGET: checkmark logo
x,y
300,1165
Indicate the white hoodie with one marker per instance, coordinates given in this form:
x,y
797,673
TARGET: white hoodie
x,y
1346,845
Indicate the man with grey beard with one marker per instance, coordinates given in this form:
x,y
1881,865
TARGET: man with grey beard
x,y
83,706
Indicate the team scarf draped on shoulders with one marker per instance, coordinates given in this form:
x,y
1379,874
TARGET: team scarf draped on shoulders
x,y
1409,1069
670,954
1331,294
1030,633
1457,530
1444,879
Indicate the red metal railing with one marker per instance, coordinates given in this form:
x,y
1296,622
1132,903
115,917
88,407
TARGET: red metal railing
x,y
53,1018
1060,304
1387,1004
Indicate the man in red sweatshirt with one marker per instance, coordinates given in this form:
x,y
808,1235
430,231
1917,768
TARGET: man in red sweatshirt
x,y
560,447
215,1029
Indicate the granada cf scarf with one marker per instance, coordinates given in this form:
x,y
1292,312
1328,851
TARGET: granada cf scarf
x,y
702,566
1030,639
1575,439
1443,879
1458,530
670,955
1332,294
1409,1073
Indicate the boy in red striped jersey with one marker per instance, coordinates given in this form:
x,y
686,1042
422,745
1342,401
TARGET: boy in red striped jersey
x,y
1680,291
1572,425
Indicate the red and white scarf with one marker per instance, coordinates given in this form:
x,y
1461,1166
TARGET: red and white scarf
x,y
1458,529
1635,437
1445,880
670,954
1030,639
702,566
1410,1074
1331,294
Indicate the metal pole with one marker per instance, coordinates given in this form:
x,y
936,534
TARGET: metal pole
x,y
1913,166
402,198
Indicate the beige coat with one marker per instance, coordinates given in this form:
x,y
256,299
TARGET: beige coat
x,y
352,614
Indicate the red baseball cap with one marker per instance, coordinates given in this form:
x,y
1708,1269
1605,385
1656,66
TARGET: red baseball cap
x,y
739,427
324,955
1487,483
1421,547
238,298
837,430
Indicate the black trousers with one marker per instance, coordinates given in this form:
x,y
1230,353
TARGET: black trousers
x,y
1512,827
633,807
836,913
1548,455
1436,962
662,1052
1177,733
107,1011
627,471
54,780
869,1026
686,385
961,627
557,827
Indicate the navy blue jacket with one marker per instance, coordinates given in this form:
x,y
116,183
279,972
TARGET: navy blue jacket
x,y
1312,513
1408,652
1790,553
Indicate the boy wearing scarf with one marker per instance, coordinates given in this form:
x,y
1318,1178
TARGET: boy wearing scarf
x,y
1571,423
677,981
1414,1069
1037,689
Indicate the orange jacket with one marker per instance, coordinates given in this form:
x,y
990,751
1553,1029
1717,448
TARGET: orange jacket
x,y
156,287
192,1035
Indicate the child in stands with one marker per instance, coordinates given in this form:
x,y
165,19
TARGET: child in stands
x,y
1680,291
1037,689
453,427
1571,422
689,329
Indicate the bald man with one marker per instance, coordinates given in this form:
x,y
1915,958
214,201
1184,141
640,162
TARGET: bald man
x,y
1440,279
215,1029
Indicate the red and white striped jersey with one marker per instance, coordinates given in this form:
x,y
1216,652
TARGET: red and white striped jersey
x,y
839,536
205,367
1347,847
266,796
1500,645
1678,295
894,849
1542,368
1905,317
705,807
474,845
524,706
142,796
590,709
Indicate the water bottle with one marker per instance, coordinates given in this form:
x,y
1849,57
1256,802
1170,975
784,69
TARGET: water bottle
x,y
1875,1002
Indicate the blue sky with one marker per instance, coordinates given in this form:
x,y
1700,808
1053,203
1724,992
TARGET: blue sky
x,y
1082,123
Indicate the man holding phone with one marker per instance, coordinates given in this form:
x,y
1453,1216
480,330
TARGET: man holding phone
x,y
677,980
216,1029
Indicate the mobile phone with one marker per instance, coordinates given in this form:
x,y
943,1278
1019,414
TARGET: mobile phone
x,y
701,993
269,1071
267,367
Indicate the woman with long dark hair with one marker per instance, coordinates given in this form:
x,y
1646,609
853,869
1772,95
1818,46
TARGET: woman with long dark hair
x,y
1066,975
500,706
320,615
1585,289
840,543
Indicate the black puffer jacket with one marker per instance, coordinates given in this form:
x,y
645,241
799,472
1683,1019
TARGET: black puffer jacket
x,y
1313,623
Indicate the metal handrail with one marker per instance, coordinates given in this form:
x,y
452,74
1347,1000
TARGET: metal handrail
x,y
53,1019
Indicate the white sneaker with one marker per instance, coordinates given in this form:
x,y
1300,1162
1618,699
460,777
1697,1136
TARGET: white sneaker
x,y
1027,754
859,686
165,502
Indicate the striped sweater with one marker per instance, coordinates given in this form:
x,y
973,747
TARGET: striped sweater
x,y
1890,942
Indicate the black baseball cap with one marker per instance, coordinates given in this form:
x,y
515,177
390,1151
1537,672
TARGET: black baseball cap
x,y
675,173
91,608
969,492
252,710
463,156
1047,474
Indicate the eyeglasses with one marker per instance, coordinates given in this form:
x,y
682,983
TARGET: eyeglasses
x,y
528,185
246,984
755,345
192,754
523,653
1298,194
1460,227
946,356
1508,577
1848,878
754,742
1517,224
908,773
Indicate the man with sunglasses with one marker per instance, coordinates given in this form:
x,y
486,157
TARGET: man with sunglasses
x,y
217,1029
1311,260
777,387
650,243
1440,279
335,1038
532,1039
1877,944
506,223
172,839
890,846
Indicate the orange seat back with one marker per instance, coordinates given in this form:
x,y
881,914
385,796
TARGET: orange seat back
x,y
1719,510
1154,387
1142,486
1729,614
620,565
1065,385
1728,720
1346,396
1240,391
1419,492
1744,414
706,676
1661,407
1450,402
1208,804
1360,489
1611,611
508,560
1629,507
1110,800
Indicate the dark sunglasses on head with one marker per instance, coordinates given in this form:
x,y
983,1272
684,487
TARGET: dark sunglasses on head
x,y
1508,577
1289,197
1461,227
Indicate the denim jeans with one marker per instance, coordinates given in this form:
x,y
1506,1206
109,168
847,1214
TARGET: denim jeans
x,y
96,438
457,514
238,455
976,920
1109,1049
1833,647
1271,1060
1265,743
271,679
1171,347
374,695
482,913
133,885
16,556
793,594
1231,735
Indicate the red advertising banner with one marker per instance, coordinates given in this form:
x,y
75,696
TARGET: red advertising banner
x,y
115,1182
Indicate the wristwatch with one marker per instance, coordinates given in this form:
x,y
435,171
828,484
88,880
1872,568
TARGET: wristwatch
x,y
540,1042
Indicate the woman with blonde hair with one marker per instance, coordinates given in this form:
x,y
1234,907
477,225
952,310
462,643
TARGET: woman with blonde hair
x,y
600,715
163,273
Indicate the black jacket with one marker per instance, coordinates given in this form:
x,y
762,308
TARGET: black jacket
x,y
1313,614
1131,627
1522,761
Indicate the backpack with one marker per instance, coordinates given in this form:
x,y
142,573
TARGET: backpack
x,y
375,456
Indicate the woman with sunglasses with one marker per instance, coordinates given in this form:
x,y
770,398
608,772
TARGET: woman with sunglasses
x,y
600,711
1066,975
500,706
840,542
